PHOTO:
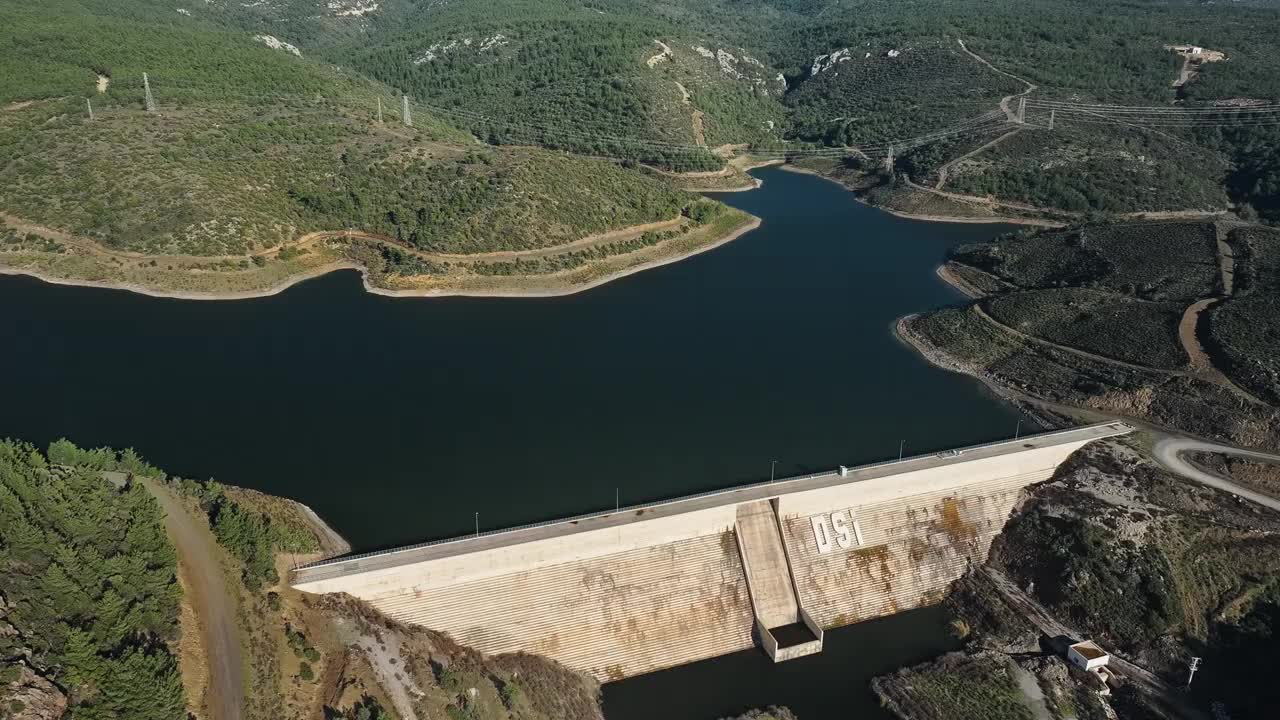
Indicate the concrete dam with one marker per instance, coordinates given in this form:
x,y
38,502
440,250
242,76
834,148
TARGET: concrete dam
x,y
771,564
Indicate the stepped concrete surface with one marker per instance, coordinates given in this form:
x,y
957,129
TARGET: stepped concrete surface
x,y
644,588
912,548
765,561
613,616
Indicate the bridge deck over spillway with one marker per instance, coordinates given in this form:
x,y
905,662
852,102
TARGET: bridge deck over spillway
x,y
646,587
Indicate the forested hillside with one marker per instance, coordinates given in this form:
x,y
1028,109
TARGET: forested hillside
x,y
96,624
277,119
657,80
252,144
88,592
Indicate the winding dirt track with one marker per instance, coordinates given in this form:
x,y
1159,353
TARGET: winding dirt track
x,y
212,601
1004,102
1168,452
945,168
304,241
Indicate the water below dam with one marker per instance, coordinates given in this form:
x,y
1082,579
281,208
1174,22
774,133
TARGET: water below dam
x,y
398,420
832,684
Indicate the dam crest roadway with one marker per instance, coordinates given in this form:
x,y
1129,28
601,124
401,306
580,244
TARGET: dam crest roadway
x,y
772,564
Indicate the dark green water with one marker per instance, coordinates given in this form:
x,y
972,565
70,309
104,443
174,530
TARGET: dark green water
x,y
397,419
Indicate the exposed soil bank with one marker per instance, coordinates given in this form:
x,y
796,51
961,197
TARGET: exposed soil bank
x,y
551,285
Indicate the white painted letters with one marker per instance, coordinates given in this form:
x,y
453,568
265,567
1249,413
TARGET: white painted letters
x,y
837,524
821,533
842,530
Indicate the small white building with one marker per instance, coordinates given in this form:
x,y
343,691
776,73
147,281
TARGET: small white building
x,y
1087,655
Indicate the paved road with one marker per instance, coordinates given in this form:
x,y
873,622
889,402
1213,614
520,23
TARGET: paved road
x,y
304,577
212,601
1168,453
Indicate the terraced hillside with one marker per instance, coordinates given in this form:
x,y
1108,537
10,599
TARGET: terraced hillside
x,y
1168,322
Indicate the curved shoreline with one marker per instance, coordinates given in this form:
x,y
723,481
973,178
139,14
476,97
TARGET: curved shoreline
x,y
320,271
954,219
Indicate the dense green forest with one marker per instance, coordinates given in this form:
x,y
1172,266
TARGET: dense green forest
x,y
88,593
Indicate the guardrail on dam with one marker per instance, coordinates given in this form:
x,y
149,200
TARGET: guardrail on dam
x,y
649,587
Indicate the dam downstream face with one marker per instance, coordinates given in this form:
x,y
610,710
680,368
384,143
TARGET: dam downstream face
x,y
398,419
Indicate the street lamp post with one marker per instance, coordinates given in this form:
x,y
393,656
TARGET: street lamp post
x,y
477,524
901,446
773,464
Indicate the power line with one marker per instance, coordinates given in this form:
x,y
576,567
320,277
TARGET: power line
x,y
149,101
693,155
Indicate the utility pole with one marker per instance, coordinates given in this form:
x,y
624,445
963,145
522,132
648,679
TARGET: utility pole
x,y
88,103
1195,665
1051,112
379,111
149,101
1022,111
408,121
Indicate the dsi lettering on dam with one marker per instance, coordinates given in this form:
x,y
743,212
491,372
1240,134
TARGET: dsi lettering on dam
x,y
770,564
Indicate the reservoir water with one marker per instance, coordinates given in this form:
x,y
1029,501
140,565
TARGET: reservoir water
x,y
399,419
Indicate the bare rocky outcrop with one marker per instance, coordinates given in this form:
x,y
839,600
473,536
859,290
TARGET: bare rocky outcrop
x,y
276,43
31,697
424,673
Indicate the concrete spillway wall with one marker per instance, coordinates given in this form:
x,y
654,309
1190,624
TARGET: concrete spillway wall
x,y
629,592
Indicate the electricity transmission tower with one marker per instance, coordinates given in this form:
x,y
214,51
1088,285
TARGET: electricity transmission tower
x,y
89,103
888,161
408,121
1051,113
379,111
1022,111
149,101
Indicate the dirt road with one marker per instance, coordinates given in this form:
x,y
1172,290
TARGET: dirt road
x,y
1168,451
214,605
945,168
1009,112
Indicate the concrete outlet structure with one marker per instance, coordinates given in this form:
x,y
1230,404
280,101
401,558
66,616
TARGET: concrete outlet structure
x,y
785,630
644,588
